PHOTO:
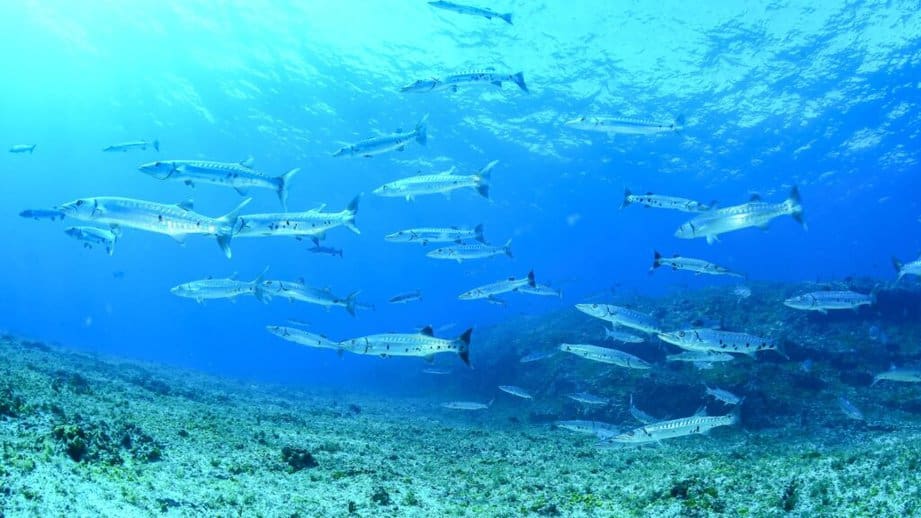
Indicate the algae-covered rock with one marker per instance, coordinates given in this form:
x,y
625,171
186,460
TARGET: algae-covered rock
x,y
103,443
297,459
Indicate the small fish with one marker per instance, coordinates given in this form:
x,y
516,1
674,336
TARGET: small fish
x,y
489,14
723,395
597,428
588,399
134,144
516,391
641,416
471,251
622,126
422,344
404,298
303,293
489,291
311,223
617,335
541,290
229,288
301,337
712,340
755,213
910,268
696,424
605,355
177,221
382,144
238,175
22,148
621,316
537,356
94,236
742,292
689,264
439,183
848,408
899,375
488,77
698,356
466,405
428,235
658,201
325,250
38,214
437,372
822,301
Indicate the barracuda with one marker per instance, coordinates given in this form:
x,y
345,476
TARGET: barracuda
x,y
489,291
422,344
177,221
689,264
659,201
311,223
305,338
711,340
384,143
755,213
489,14
822,301
605,355
697,424
460,253
621,316
909,268
426,235
134,144
625,126
94,236
488,77
230,288
441,183
303,293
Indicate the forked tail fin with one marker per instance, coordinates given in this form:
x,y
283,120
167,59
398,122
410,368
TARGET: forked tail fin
x,y
796,207
350,301
519,80
484,177
626,201
422,130
463,349
352,209
227,224
507,17
283,182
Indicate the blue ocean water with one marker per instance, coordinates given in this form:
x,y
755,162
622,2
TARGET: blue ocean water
x,y
775,94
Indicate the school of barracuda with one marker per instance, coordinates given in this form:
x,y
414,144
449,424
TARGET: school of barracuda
x,y
703,347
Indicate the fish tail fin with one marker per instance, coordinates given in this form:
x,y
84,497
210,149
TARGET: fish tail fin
x,y
796,207
656,260
156,145
519,80
352,209
110,248
31,149
478,233
898,267
508,248
350,301
422,130
258,290
507,17
228,222
531,281
736,415
680,122
484,178
463,349
627,195
283,182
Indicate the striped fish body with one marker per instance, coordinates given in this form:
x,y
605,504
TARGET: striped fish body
x,y
690,264
624,126
209,289
300,292
134,144
658,201
541,290
697,356
295,224
676,428
441,183
759,214
712,340
489,291
301,337
385,143
621,316
605,355
410,344
426,235
172,220
469,251
823,301
236,175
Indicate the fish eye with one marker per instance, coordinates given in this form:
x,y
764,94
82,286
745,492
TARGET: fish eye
x,y
80,202
594,306
681,334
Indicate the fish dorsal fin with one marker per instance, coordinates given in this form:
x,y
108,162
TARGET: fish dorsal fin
x,y
186,204
448,172
754,197
427,331
318,208
511,278
248,163
300,280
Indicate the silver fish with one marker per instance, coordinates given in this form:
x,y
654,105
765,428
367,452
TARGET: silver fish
x,y
848,408
625,126
134,144
699,357
673,428
404,298
240,176
617,335
305,338
22,148
588,399
487,77
382,144
439,183
229,288
489,14
437,372
466,405
471,251
428,235
38,214
723,395
489,291
303,293
422,344
621,316
689,264
516,391
596,428
541,290
326,250
711,340
909,268
755,213
659,201
177,221
537,356
311,223
898,375
822,301
605,355
94,236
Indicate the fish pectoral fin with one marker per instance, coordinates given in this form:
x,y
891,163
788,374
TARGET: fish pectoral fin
x,y
179,238
248,163
189,183
711,238
497,83
241,191
401,148
429,359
